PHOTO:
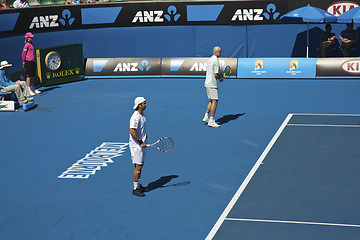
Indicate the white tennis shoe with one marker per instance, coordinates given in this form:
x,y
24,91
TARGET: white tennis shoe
x,y
213,124
31,93
206,119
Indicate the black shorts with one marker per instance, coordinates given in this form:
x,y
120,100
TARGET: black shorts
x,y
30,68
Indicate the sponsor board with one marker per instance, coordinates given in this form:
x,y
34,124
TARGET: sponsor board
x,y
340,7
60,64
39,19
338,67
160,14
7,106
122,67
67,17
192,67
258,13
276,68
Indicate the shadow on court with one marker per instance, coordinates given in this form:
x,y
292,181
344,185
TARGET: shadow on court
x,y
49,89
160,183
227,118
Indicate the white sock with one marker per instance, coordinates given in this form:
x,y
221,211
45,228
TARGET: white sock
x,y
206,115
212,119
136,185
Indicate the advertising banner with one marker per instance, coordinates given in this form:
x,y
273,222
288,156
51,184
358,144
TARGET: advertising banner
x,y
276,68
335,7
60,64
7,105
122,67
338,67
193,67
129,14
69,17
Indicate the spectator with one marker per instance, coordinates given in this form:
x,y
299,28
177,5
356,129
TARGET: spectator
x,y
98,1
327,40
4,4
72,2
21,4
19,88
28,59
348,39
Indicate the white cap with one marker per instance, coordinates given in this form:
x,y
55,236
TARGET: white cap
x,y
5,64
138,100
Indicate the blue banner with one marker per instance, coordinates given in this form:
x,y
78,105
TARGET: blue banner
x,y
276,68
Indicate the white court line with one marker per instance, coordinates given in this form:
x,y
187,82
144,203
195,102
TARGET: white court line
x,y
247,180
321,125
293,222
326,114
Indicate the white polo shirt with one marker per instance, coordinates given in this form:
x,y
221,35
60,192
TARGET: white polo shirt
x,y
212,67
138,122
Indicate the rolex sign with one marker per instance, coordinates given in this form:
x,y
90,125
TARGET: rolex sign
x,y
62,64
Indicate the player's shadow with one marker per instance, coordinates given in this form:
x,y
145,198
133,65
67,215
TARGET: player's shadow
x,y
160,183
227,118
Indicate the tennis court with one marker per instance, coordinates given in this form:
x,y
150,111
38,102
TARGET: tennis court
x,y
192,184
304,185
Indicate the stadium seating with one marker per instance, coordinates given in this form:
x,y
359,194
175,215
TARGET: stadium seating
x,y
11,3
59,2
33,3
47,2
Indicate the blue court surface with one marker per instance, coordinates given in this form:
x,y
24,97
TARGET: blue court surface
x,y
283,165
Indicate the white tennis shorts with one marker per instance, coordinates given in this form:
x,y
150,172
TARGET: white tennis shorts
x,y
212,93
137,155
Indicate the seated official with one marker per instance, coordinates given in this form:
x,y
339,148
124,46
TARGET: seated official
x,y
19,88
327,40
348,39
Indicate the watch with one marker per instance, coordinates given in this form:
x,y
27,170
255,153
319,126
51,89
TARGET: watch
x,y
53,60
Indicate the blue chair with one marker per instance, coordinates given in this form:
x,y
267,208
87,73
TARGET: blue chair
x,y
3,95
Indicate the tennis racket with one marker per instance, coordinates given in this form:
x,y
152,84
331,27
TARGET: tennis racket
x,y
164,144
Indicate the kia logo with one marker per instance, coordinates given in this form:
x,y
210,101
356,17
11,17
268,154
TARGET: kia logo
x,y
339,8
351,66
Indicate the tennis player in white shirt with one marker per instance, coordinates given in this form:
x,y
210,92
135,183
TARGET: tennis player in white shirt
x,y
212,74
137,143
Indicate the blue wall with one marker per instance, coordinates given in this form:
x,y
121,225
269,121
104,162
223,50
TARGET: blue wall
x,y
280,40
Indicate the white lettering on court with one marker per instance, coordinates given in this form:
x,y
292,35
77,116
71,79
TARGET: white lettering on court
x,y
93,161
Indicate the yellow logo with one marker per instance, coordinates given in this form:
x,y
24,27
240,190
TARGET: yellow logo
x,y
259,64
48,75
77,70
294,64
63,73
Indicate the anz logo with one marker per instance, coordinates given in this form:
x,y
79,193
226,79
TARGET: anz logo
x,y
133,67
157,16
201,66
256,14
51,21
144,66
